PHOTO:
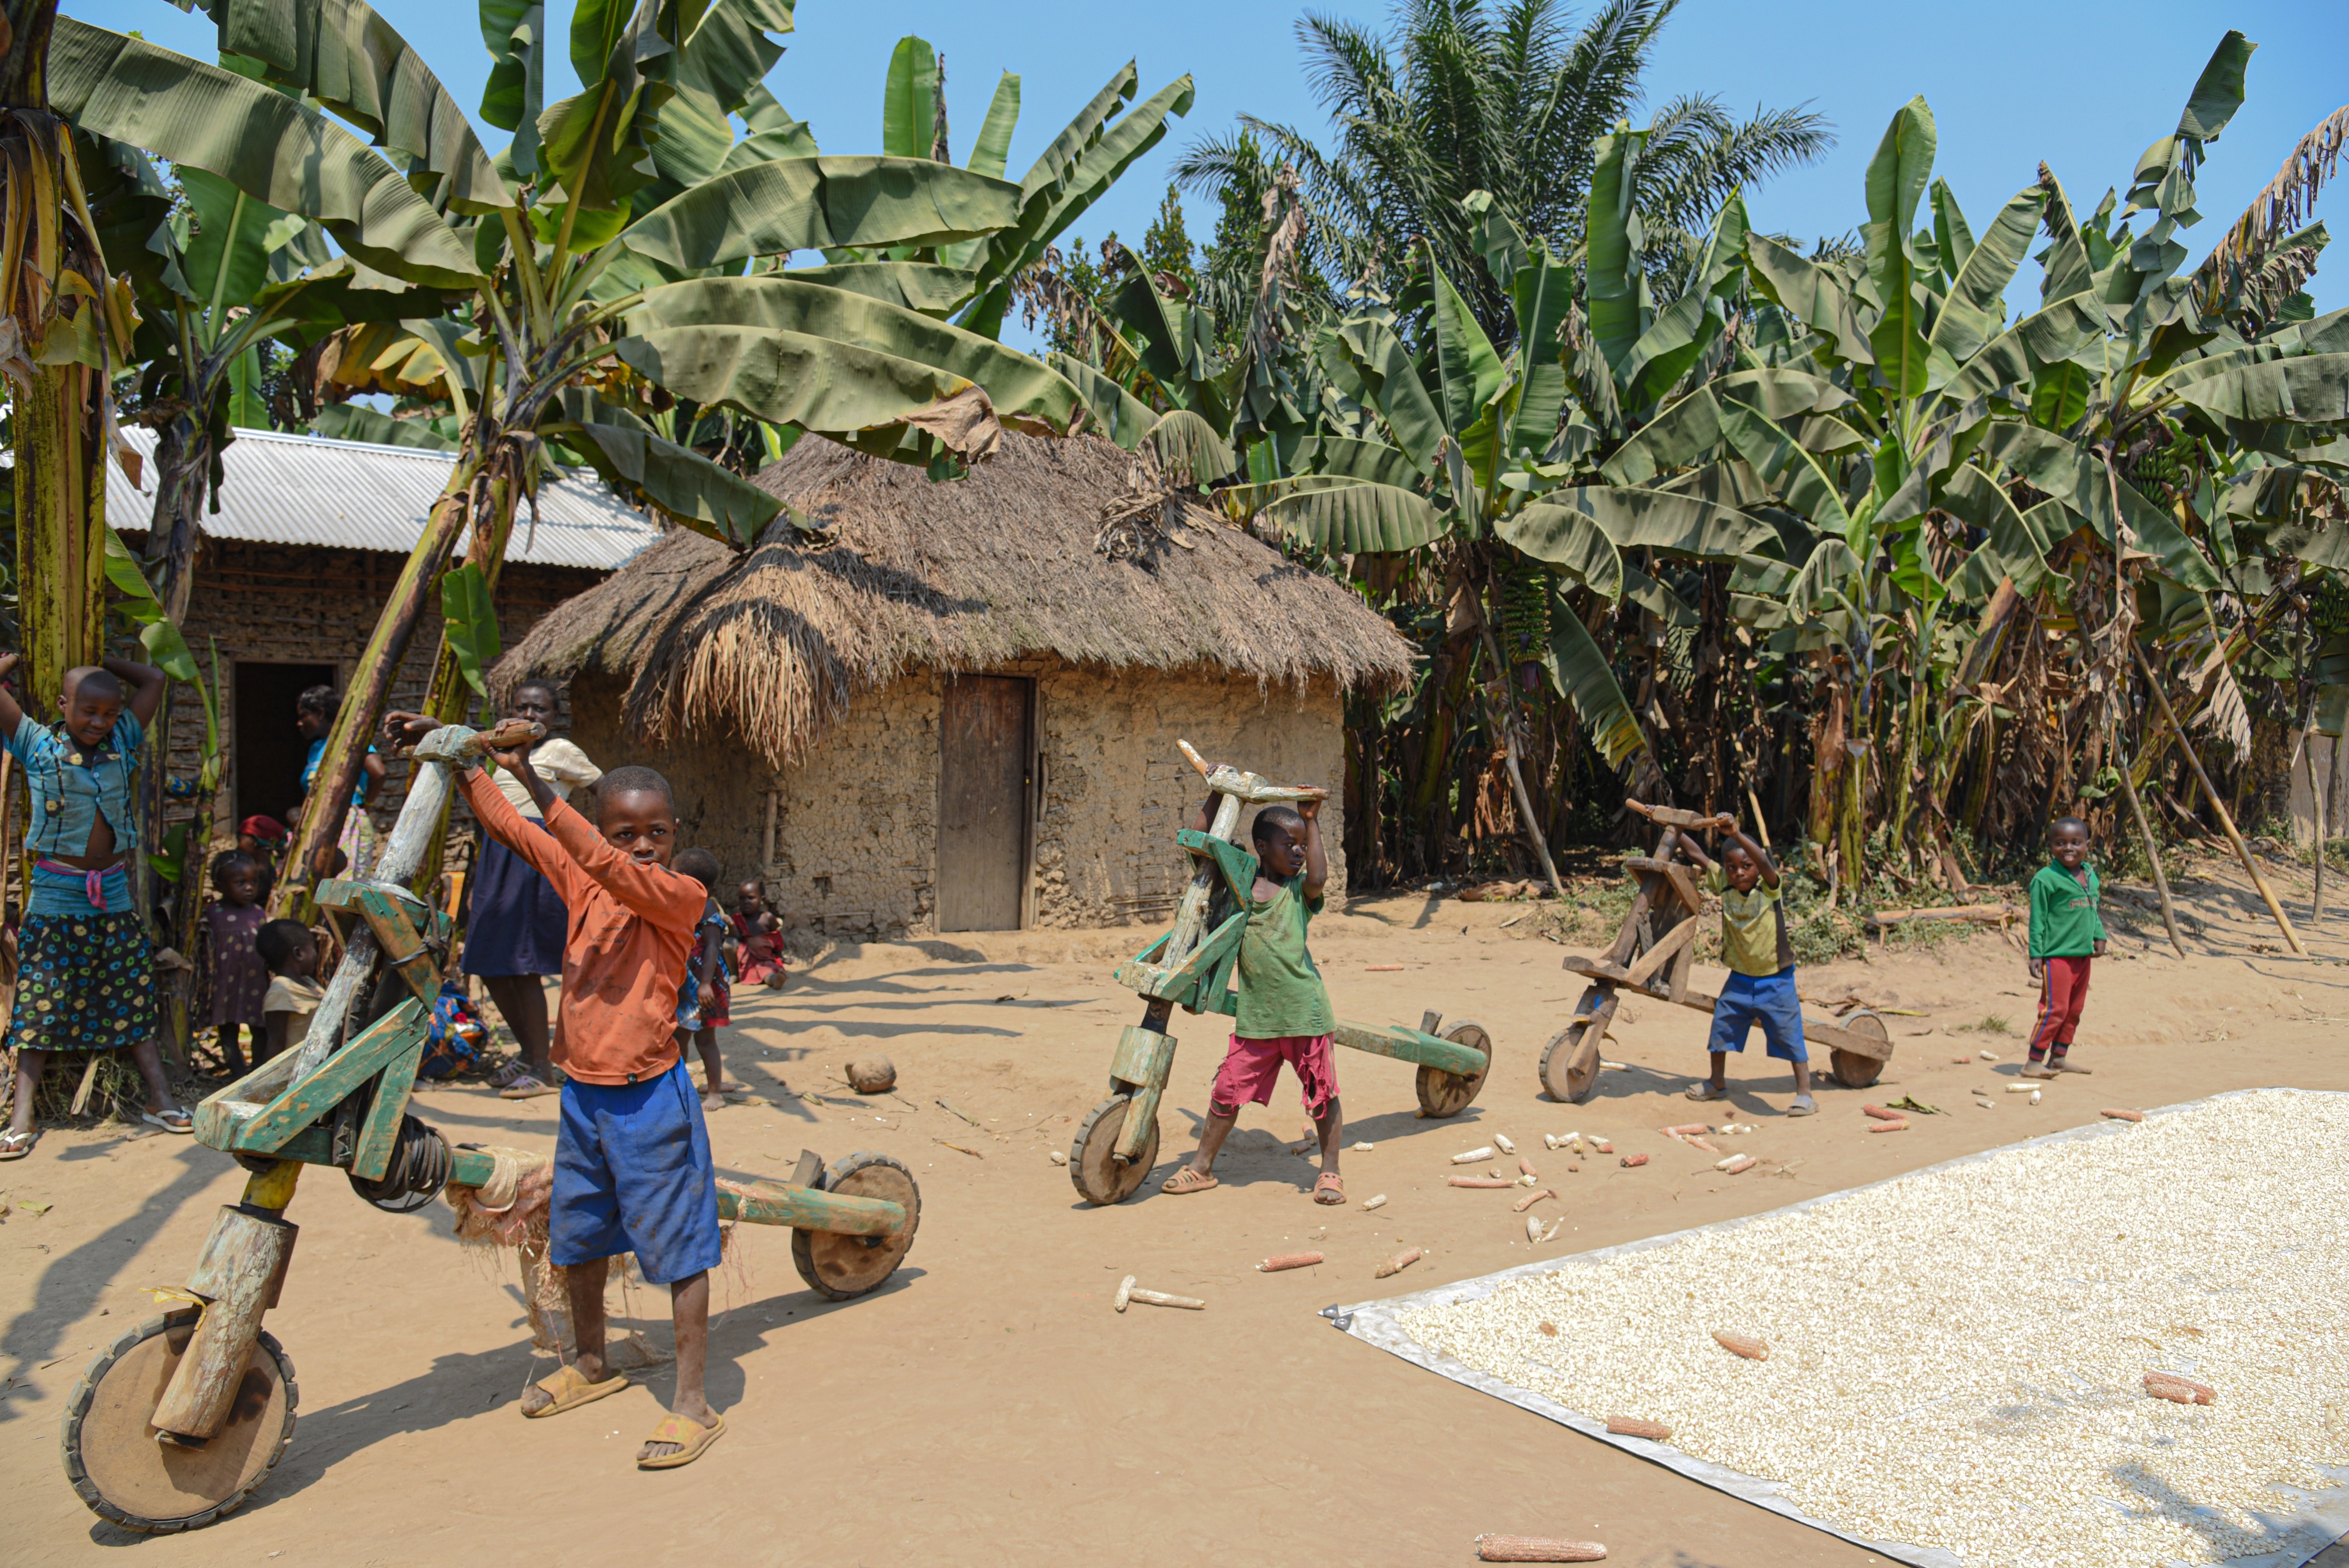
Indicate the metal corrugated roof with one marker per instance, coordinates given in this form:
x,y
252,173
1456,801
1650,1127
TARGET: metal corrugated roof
x,y
278,489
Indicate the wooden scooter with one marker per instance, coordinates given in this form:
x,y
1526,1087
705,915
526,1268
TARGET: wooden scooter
x,y
1191,966
1652,957
180,1421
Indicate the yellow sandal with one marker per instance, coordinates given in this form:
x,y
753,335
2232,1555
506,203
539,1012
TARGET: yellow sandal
x,y
569,1390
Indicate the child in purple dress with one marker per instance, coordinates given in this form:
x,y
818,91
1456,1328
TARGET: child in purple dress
x,y
236,974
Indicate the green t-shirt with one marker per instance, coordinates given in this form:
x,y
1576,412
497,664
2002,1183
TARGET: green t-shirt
x,y
1280,991
2064,918
1753,927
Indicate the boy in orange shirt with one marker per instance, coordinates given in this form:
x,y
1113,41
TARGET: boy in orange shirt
x,y
632,1166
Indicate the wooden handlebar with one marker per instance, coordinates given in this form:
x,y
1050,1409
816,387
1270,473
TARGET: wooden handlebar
x,y
1672,816
1226,779
507,734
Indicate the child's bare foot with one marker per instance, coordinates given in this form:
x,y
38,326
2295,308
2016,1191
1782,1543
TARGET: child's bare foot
x,y
2037,1071
2063,1065
713,1099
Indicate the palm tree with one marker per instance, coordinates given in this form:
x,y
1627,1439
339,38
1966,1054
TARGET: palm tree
x,y
1509,97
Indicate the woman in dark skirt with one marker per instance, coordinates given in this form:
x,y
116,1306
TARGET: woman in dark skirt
x,y
514,935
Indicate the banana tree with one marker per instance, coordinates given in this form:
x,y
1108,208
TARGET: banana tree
x,y
602,258
66,328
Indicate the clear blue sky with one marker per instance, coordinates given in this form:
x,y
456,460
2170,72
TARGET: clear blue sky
x,y
2085,86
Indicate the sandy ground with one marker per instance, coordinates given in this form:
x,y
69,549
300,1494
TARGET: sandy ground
x,y
986,1406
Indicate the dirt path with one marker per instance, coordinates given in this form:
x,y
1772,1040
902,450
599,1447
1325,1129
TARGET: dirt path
x,y
988,1406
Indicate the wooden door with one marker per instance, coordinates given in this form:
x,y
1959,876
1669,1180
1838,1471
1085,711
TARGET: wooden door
x,y
985,730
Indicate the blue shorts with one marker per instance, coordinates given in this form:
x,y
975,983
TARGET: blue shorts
x,y
633,1174
1768,1000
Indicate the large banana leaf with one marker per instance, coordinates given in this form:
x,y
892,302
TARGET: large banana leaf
x,y
916,286
2306,389
1188,449
821,203
1390,382
683,483
726,54
1024,390
274,147
357,422
1674,524
1685,328
2046,338
343,54
1973,496
226,258
1611,245
1812,293
1467,371
1895,180
1975,310
1116,413
515,95
989,155
909,101
1543,294
1780,461
1578,671
819,384
1340,516
1685,433
1165,335
1569,540
597,143
1344,457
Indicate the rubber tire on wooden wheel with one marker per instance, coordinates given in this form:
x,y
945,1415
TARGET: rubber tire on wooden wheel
x,y
1444,1093
117,1467
1567,1079
1851,1069
1097,1177
843,1267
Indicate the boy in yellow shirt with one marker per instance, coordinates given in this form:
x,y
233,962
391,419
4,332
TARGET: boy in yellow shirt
x,y
1761,988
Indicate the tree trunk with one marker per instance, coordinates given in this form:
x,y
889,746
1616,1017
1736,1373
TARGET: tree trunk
x,y
451,698
363,704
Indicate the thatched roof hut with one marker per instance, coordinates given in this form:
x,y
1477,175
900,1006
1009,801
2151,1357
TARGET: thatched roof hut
x,y
1057,603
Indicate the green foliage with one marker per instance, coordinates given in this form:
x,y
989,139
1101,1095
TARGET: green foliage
x,y
469,622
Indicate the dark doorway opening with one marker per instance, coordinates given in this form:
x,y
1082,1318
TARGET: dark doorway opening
x,y
986,766
266,773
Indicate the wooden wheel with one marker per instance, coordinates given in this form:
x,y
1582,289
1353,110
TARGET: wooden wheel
x,y
843,1266
1096,1173
1569,1064
1851,1069
1442,1094
118,1467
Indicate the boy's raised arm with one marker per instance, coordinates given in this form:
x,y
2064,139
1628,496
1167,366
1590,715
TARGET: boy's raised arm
x,y
1317,863
12,713
1760,856
147,685
507,826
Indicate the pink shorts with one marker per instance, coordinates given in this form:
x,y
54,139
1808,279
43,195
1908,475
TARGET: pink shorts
x,y
1251,1067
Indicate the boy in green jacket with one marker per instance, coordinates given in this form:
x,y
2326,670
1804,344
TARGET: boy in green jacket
x,y
1284,1008
2066,936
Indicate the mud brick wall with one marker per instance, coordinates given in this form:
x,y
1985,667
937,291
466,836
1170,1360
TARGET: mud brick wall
x,y
847,841
305,604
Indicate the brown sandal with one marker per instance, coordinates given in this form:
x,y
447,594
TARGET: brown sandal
x,y
1330,1189
1189,1180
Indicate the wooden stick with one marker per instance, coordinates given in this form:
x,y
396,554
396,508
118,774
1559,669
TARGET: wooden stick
x,y
2152,852
2226,820
1160,1298
1986,912
2316,803
1509,742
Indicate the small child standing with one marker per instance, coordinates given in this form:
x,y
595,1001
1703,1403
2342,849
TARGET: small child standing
x,y
1761,960
759,935
633,1170
233,971
291,951
703,997
2067,934
86,967
1284,1008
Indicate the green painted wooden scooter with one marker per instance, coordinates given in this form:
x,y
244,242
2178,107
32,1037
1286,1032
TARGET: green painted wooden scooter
x,y
1191,967
177,1421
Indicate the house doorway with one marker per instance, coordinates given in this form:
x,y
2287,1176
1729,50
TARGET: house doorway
x,y
986,773
266,776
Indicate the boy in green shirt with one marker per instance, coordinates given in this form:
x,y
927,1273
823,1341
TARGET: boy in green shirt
x,y
1761,988
1284,1008
2066,936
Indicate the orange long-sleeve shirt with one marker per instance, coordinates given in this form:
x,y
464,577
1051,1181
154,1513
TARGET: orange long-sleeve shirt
x,y
631,929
